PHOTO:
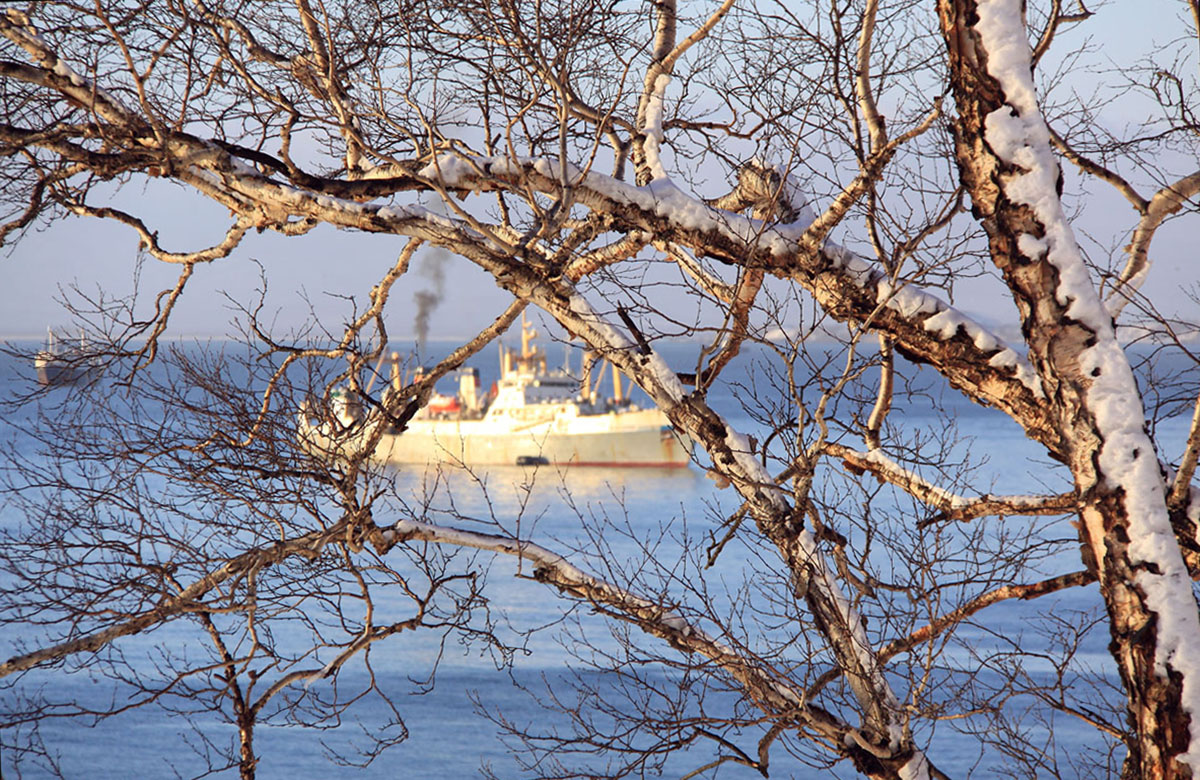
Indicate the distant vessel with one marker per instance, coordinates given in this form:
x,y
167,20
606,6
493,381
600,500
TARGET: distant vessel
x,y
59,364
531,416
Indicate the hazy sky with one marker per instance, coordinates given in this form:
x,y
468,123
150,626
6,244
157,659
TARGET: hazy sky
x,y
95,255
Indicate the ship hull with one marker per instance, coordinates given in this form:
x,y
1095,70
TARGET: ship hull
x,y
57,370
629,440
639,449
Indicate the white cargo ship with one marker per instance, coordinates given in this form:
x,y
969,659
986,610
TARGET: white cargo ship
x,y
62,364
530,416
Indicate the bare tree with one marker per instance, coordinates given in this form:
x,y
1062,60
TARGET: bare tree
x,y
635,172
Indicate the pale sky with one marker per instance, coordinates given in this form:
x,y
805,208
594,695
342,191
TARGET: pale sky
x,y
96,255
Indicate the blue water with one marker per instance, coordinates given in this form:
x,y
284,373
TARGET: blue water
x,y
649,520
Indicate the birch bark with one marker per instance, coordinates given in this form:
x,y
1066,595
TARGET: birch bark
x,y
1003,149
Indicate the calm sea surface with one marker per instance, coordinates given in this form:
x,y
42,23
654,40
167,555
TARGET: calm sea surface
x,y
447,738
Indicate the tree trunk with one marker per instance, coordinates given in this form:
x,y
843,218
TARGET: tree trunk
x,y
247,763
1007,168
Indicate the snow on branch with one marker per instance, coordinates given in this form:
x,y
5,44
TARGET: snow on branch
x,y
15,25
847,286
652,128
950,506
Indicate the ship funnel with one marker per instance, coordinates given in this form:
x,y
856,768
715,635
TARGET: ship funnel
x,y
468,389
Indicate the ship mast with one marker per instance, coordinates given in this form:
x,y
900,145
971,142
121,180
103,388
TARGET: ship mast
x,y
531,360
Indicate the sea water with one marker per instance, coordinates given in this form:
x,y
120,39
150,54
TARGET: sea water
x,y
447,736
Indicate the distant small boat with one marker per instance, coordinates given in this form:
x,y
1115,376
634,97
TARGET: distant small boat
x,y
60,364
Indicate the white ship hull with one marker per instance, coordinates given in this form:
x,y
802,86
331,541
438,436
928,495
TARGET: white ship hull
x,y
52,370
62,369
627,439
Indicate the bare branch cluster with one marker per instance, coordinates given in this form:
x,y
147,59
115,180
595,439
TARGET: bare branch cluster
x,y
786,189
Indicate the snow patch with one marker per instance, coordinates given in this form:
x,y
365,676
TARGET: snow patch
x,y
947,499
653,130
610,335
450,169
1020,137
1032,247
750,467
916,768
946,321
1008,358
64,70
860,271
908,300
676,623
401,213
661,197
667,379
662,374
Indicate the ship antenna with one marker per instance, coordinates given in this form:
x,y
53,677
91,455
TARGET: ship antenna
x,y
528,334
